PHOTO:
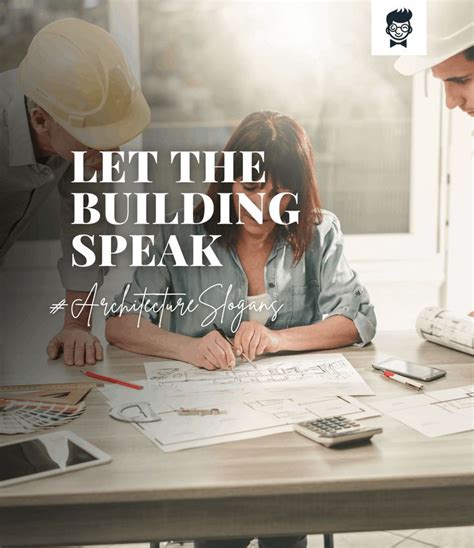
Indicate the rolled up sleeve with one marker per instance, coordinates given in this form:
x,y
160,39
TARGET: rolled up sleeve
x,y
341,293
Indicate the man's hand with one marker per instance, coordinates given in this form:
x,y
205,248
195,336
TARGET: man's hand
x,y
471,314
253,339
77,344
210,352
75,339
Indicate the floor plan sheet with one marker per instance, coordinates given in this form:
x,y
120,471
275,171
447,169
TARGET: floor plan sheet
x,y
330,373
199,407
434,414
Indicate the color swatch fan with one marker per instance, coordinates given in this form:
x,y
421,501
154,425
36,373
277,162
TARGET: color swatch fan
x,y
22,417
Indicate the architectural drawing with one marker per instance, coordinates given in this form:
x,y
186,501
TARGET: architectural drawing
x,y
240,416
329,372
434,414
291,410
252,402
447,329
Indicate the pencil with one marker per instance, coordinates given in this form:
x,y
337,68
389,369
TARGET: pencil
x,y
93,375
246,358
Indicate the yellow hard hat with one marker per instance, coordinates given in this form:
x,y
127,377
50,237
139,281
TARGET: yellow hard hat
x,y
450,30
78,74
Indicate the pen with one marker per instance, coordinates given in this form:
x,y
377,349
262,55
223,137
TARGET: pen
x,y
221,332
112,380
403,380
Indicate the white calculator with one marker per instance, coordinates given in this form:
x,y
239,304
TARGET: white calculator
x,y
332,431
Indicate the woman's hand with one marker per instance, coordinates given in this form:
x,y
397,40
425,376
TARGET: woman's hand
x,y
210,352
253,339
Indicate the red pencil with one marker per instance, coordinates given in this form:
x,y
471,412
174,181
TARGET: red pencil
x,y
110,379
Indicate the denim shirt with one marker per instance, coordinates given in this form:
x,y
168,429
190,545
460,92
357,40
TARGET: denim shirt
x,y
320,285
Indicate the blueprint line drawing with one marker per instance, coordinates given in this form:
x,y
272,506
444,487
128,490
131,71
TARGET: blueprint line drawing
x,y
463,403
241,418
331,372
293,411
252,402
434,414
447,329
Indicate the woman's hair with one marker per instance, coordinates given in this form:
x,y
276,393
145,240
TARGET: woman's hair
x,y
288,163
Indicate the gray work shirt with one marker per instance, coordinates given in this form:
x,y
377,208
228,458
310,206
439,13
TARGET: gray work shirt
x,y
26,183
320,285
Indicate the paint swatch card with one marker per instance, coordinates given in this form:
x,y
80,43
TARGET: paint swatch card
x,y
22,417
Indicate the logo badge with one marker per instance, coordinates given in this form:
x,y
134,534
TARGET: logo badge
x,y
398,27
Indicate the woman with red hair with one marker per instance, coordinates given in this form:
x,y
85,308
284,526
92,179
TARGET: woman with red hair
x,y
280,287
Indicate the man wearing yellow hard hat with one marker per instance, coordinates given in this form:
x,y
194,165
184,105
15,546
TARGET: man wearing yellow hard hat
x,y
450,52
72,92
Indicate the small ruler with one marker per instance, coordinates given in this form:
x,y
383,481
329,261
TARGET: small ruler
x,y
58,386
200,412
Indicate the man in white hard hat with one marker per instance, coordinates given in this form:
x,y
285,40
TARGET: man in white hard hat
x,y
72,92
450,52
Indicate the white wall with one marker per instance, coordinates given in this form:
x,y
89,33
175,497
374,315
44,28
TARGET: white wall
x,y
458,293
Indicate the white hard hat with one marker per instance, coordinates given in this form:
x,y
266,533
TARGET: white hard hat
x,y
450,30
78,74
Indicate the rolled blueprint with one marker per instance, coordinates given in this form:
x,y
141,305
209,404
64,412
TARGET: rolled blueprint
x,y
446,328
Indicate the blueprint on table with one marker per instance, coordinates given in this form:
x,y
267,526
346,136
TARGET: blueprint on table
x,y
329,373
434,414
251,402
447,329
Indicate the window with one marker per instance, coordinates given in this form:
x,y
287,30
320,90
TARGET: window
x,y
215,62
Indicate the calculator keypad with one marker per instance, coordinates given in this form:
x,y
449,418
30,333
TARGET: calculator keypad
x,y
331,425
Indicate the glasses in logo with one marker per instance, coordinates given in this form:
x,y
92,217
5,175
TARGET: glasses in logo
x,y
394,27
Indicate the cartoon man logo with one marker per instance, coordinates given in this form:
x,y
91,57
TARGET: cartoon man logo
x,y
399,27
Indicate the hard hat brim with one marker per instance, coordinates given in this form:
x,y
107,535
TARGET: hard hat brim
x,y
408,65
111,136
439,51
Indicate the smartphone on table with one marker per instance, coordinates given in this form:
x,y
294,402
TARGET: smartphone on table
x,y
409,369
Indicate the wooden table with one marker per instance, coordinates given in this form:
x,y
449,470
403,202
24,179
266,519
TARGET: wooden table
x,y
280,484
